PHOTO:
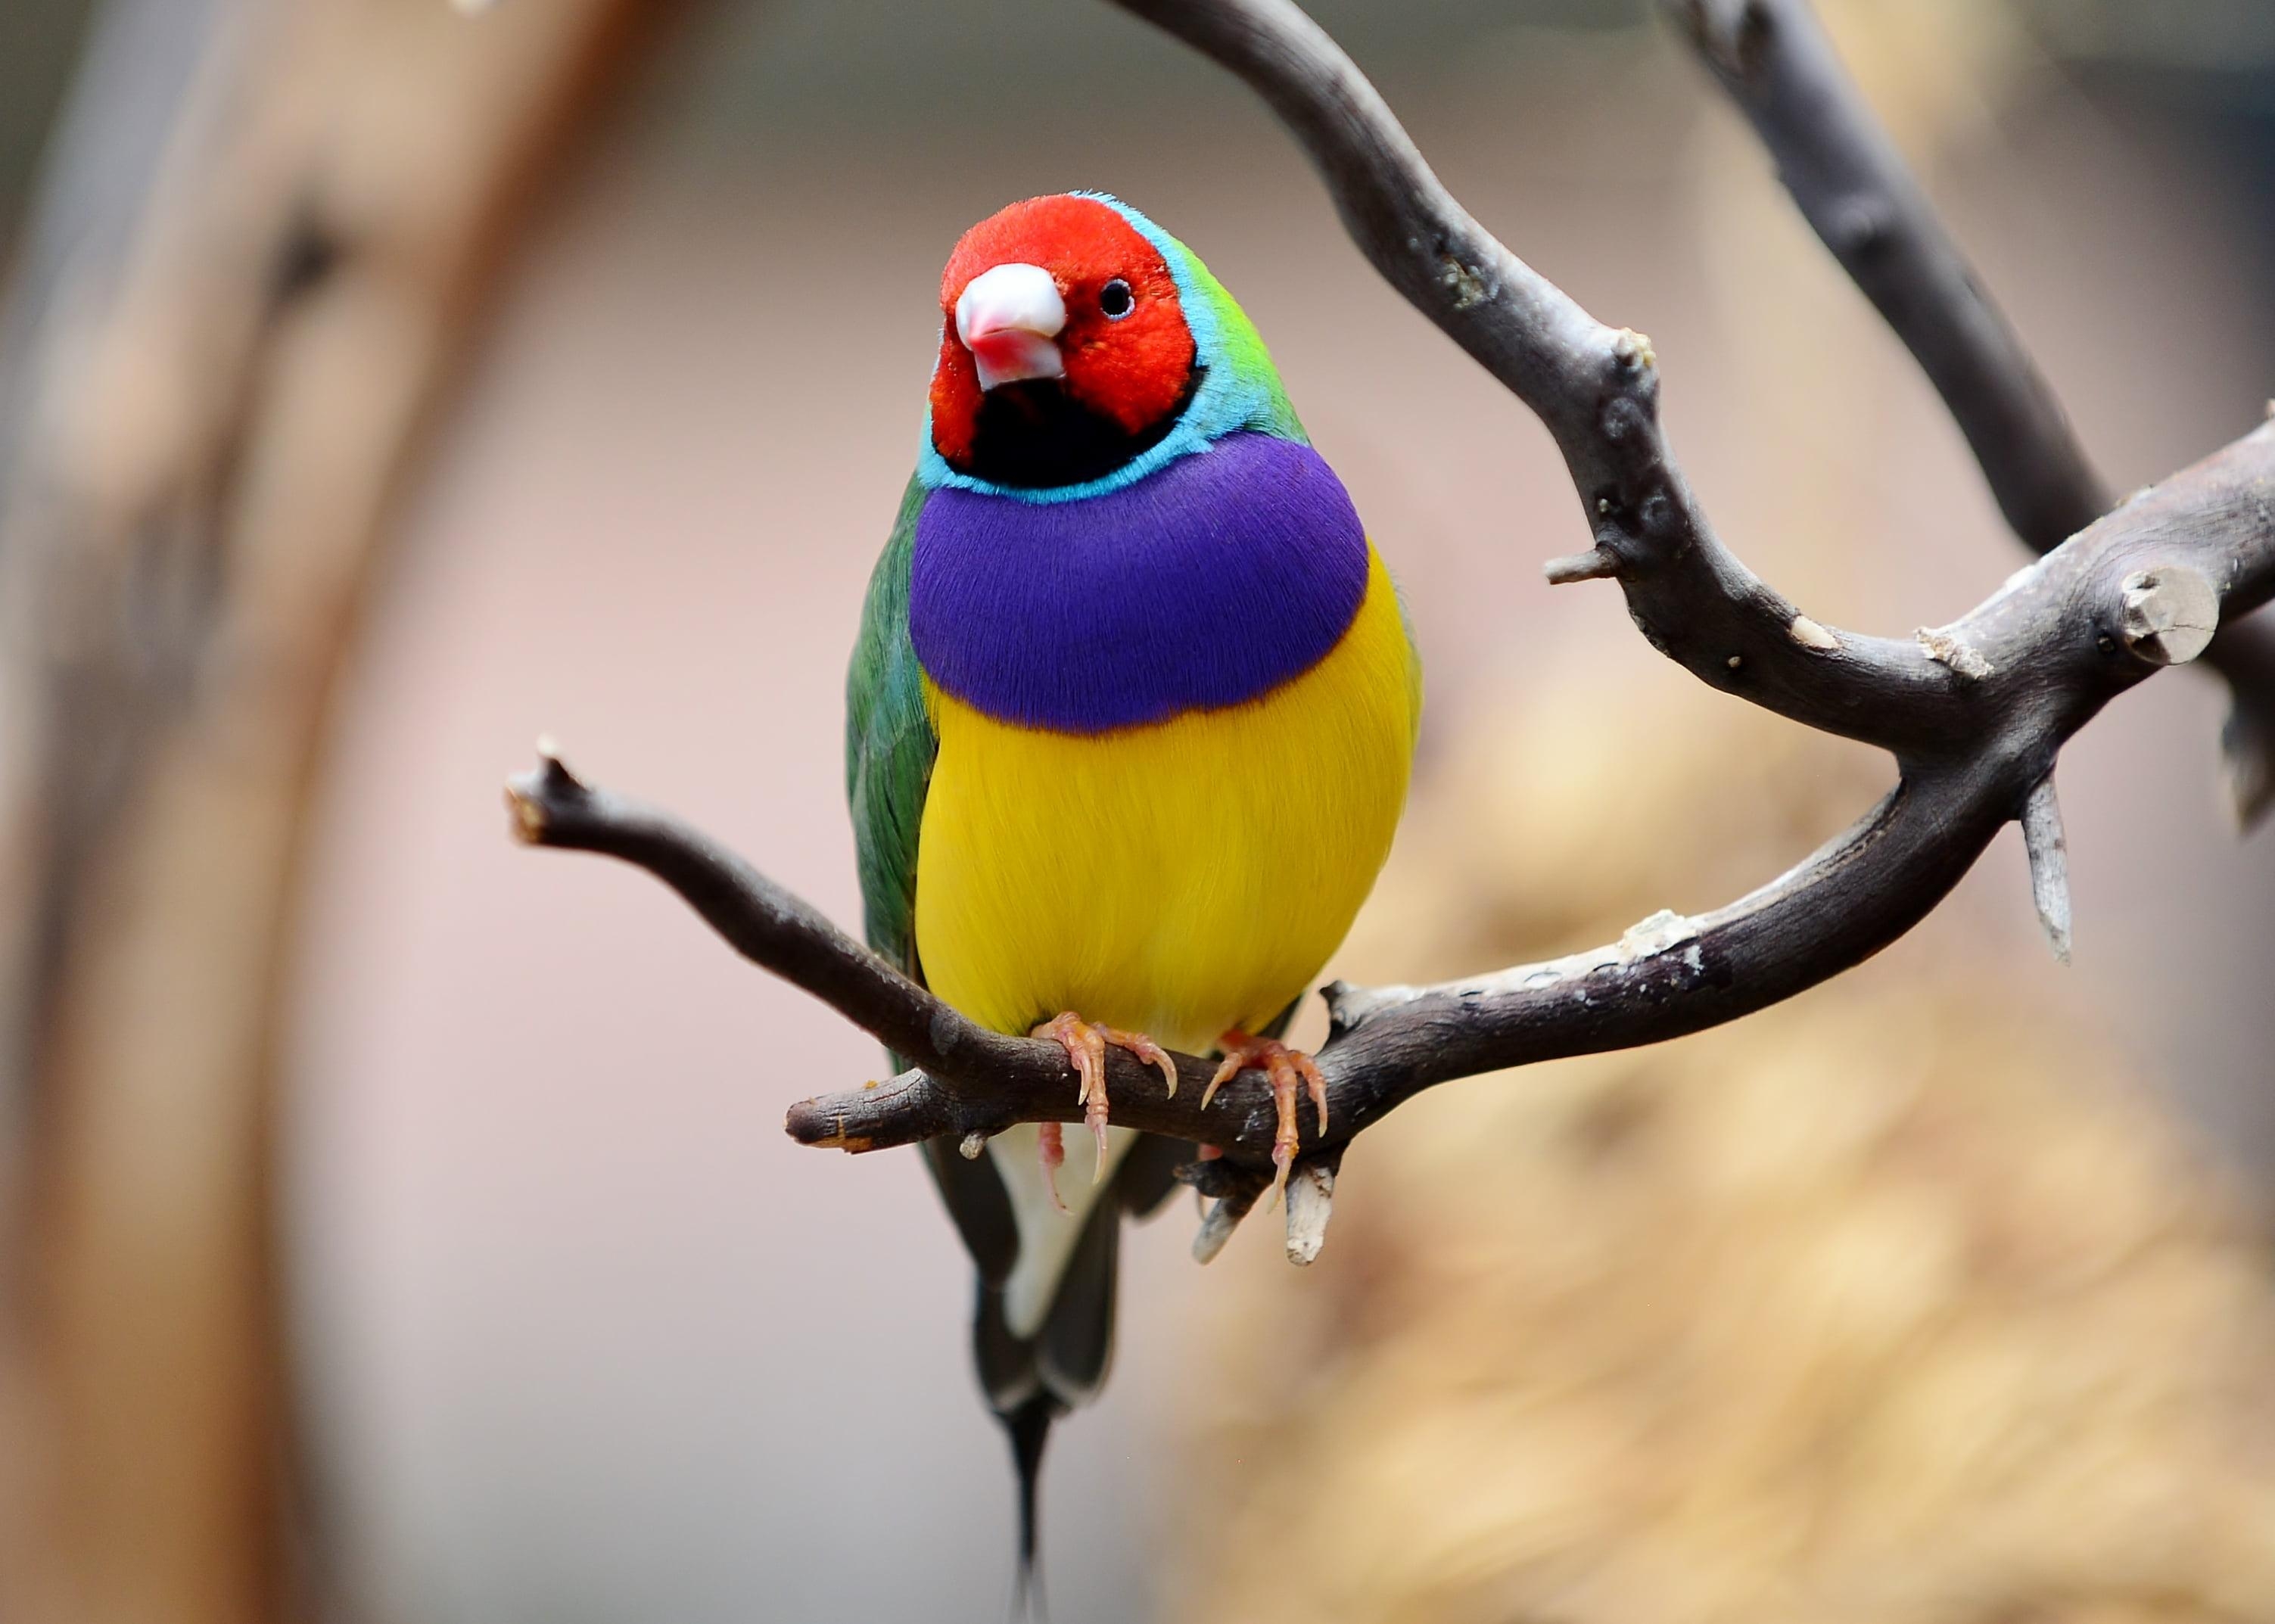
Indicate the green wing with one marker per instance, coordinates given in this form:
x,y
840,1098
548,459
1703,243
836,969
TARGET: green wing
x,y
889,748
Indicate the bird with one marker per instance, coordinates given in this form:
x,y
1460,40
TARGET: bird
x,y
1130,718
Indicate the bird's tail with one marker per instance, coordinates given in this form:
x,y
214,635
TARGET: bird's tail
x,y
1029,1426
1031,1381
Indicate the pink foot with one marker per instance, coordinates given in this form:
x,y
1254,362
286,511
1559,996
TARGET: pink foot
x,y
1085,1048
1286,1068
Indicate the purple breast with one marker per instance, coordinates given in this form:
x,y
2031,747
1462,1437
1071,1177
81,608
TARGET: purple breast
x,y
1209,582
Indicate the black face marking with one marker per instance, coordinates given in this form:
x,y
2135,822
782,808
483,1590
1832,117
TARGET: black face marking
x,y
1033,433
1115,300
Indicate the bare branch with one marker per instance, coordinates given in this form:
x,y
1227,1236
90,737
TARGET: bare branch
x,y
780,933
1849,183
1224,1216
2054,639
1669,977
1596,387
2246,739
2049,853
1845,174
1592,565
1976,713
1311,1204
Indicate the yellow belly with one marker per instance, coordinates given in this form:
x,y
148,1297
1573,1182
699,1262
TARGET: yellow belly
x,y
1177,879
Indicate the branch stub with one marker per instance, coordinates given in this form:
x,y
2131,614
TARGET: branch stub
x,y
1310,1202
2049,852
2167,615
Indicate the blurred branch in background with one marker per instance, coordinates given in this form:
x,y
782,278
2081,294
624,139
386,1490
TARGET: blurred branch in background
x,y
39,40
266,237
2227,39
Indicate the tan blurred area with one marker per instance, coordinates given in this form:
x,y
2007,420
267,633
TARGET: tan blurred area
x,y
400,1227
1903,1301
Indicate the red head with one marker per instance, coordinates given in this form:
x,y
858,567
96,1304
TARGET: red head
x,y
1065,350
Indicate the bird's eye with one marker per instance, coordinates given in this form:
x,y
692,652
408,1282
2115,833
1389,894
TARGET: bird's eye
x,y
1114,298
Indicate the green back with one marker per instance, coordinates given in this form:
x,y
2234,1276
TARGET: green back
x,y
889,747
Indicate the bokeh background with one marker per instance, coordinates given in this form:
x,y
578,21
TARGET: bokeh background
x,y
400,1225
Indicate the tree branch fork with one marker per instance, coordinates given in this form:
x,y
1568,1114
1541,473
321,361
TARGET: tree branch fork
x,y
1974,712
2056,643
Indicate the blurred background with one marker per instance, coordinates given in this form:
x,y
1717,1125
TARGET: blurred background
x,y
399,1227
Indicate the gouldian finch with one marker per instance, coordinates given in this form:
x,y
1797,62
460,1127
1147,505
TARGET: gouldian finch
x,y
1131,720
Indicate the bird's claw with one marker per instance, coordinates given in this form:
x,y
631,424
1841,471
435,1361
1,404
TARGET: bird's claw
x,y
1085,1047
1285,1069
1050,1147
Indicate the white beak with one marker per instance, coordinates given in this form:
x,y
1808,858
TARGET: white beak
x,y
1009,318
